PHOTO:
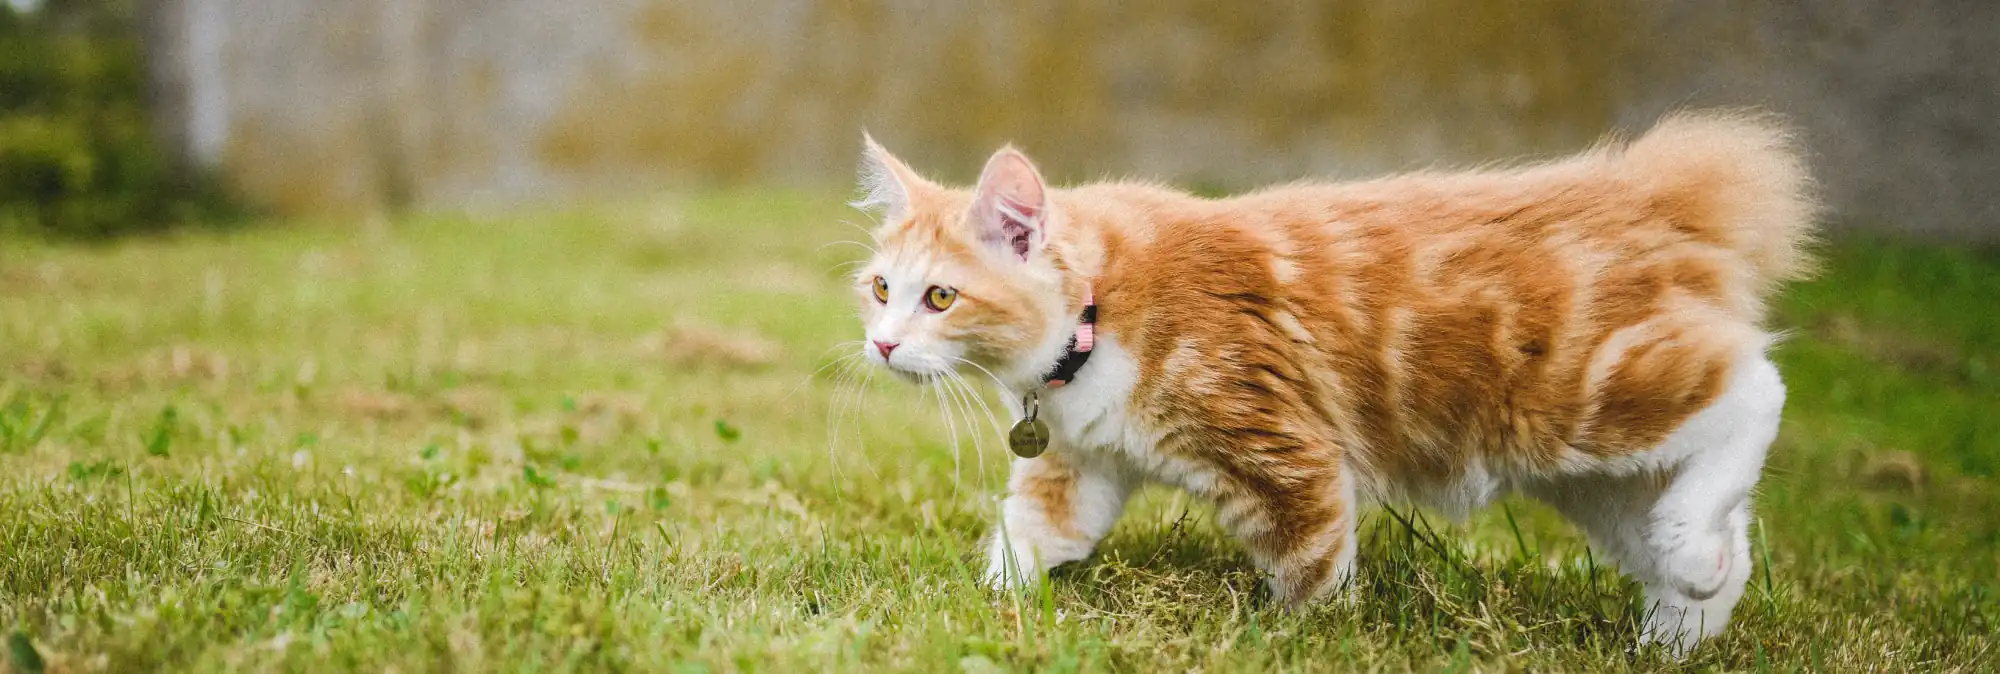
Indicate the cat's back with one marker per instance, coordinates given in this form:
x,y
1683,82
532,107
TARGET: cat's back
x,y
1579,308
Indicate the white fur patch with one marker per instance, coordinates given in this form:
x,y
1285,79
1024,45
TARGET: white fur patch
x,y
1284,270
1292,327
1093,415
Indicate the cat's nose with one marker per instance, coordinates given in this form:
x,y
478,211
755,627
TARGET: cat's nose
x,y
885,348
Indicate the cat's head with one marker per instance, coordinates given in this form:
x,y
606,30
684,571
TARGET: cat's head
x,y
959,274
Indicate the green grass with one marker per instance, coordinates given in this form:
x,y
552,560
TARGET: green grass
x,y
596,440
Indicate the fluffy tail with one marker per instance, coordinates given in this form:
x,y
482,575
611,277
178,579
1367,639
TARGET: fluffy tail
x,y
1736,178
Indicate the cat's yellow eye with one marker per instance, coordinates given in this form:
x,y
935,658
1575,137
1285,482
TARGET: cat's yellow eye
x,y
940,298
881,290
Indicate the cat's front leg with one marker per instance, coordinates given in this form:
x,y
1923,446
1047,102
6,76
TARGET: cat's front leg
x,y
1300,531
1056,510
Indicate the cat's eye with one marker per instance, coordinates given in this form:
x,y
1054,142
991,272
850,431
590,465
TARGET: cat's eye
x,y
940,298
881,290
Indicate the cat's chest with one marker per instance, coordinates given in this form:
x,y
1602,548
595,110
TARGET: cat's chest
x,y
1094,414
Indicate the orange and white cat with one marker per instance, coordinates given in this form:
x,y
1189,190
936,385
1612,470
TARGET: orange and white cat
x,y
1587,331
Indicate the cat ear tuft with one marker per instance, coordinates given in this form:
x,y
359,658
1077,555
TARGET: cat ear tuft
x,y
886,183
1010,205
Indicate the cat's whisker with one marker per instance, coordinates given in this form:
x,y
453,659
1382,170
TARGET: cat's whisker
x,y
847,400
850,264
857,227
958,419
860,402
957,401
847,374
989,373
998,428
845,242
967,398
847,403
945,415
809,376
952,384
983,404
847,344
844,366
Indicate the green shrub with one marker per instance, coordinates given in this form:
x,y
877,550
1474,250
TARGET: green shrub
x,y
77,155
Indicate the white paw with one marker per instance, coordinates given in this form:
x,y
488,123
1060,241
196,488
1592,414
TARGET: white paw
x,y
1679,625
1667,628
1011,568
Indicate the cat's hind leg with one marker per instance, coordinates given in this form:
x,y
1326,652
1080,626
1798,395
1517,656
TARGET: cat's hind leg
x,y
1056,510
1681,525
1699,527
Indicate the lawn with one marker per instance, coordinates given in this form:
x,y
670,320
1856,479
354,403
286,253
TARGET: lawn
x,y
618,438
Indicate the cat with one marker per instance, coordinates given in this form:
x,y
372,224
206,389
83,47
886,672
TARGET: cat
x,y
1587,331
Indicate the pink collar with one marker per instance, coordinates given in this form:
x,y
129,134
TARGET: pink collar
x,y
1080,344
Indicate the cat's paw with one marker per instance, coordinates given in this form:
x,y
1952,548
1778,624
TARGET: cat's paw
x,y
1678,624
1335,588
1011,568
1668,628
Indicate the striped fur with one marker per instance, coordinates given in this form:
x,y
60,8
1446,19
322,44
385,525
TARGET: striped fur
x,y
1562,329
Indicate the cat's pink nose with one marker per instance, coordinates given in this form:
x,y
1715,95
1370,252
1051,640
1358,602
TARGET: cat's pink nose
x,y
885,348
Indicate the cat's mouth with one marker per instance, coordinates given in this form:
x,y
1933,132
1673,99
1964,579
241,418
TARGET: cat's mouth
x,y
914,365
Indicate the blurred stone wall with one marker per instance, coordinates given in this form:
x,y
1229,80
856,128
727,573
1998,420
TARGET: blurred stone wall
x,y
318,104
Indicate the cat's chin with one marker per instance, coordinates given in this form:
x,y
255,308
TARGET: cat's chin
x,y
914,376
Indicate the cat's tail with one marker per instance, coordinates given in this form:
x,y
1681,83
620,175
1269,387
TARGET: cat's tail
x,y
1736,178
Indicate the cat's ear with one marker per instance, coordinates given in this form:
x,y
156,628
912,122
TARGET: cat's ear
x,y
886,183
1011,205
